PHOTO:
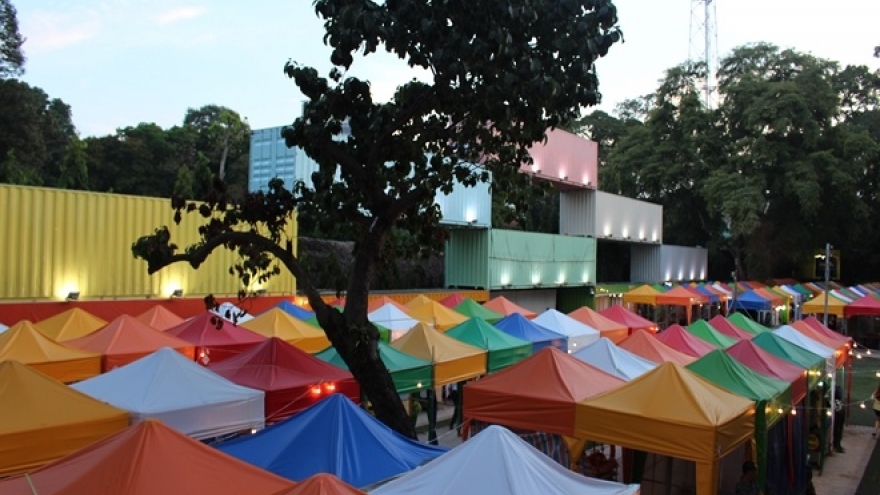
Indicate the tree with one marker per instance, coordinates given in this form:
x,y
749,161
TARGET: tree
x,y
224,138
11,57
74,167
500,75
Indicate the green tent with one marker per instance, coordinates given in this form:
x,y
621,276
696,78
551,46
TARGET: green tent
x,y
471,308
704,331
384,333
779,347
747,324
409,373
771,395
808,294
503,349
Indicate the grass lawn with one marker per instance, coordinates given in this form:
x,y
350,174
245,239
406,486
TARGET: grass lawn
x,y
864,382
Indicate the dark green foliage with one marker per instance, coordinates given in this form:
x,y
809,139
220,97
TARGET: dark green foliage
x,y
11,56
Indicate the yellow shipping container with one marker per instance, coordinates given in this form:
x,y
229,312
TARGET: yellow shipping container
x,y
57,241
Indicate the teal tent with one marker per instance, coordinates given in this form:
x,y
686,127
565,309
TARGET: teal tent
x,y
503,349
703,330
745,323
471,308
409,373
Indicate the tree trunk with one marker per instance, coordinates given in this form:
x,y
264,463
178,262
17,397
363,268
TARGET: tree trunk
x,y
221,173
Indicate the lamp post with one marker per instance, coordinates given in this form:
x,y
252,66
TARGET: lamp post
x,y
827,278
735,287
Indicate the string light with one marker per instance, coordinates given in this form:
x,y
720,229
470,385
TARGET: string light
x,y
794,412
780,410
862,405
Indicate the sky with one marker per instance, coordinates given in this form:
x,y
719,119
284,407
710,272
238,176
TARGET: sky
x,y
118,63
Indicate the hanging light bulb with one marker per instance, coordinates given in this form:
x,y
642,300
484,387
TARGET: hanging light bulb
x,y
868,351
821,384
828,413
862,405
794,412
419,385
780,410
858,356
877,374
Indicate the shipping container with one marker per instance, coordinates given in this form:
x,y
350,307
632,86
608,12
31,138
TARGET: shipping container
x,y
565,159
537,300
609,216
652,264
61,241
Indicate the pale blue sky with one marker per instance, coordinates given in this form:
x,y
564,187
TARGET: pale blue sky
x,y
121,62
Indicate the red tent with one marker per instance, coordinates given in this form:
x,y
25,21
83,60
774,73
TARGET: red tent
x,y
646,345
126,339
506,307
215,338
452,300
159,318
681,340
147,459
292,379
724,326
819,327
625,317
322,484
539,393
864,306
767,364
841,347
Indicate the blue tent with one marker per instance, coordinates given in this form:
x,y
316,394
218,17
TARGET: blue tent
x,y
713,297
522,328
750,301
334,436
294,310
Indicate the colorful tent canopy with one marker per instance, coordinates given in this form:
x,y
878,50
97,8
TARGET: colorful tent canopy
x,y
822,329
471,308
498,462
745,323
790,334
322,484
452,300
454,361
644,294
418,301
392,318
607,328
539,393
713,297
792,353
671,411
503,349
841,348
724,326
333,436
147,459
70,324
436,315
409,373
232,313
774,298
681,296
380,301
293,310
504,306
817,305
181,393
705,331
645,344
864,306
518,326
679,339
126,339
215,338
631,320
606,356
278,323
751,300
159,318
42,419
24,343
576,333
767,364
292,379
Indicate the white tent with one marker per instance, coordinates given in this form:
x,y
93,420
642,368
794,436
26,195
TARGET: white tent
x,y
606,356
497,461
577,334
3,328
185,396
392,318
231,312
794,336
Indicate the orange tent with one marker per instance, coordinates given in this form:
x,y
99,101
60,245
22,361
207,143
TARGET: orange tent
x,y
70,324
378,302
147,459
159,318
278,323
42,420
681,296
646,345
504,306
22,342
539,393
322,484
126,339
607,327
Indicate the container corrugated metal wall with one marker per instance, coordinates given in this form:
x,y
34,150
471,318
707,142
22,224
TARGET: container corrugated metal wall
x,y
530,259
628,219
59,241
569,299
467,205
565,158
684,262
577,213
466,258
645,264
537,300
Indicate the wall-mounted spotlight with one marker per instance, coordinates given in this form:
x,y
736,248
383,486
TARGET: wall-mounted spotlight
x,y
261,292
73,295
177,293
609,235
565,178
538,171
644,239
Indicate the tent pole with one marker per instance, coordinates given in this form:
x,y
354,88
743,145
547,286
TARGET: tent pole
x,y
827,278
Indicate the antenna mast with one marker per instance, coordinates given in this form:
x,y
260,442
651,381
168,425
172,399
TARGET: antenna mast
x,y
703,45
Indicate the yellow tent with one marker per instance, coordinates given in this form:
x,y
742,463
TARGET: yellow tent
x,y
278,323
71,324
454,361
644,294
816,305
436,314
24,343
419,300
671,411
42,419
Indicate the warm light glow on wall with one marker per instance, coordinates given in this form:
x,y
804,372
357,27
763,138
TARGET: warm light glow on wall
x,y
505,279
66,287
536,277
171,285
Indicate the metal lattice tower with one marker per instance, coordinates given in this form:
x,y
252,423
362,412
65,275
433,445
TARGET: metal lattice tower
x,y
704,45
